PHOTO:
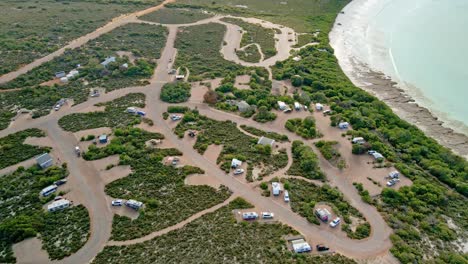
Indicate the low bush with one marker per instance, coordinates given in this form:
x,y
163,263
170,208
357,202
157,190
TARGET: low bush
x,y
303,127
305,162
176,92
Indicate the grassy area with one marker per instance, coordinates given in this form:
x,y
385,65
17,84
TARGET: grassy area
x,y
176,92
114,115
249,54
259,133
199,51
330,153
13,151
235,143
65,232
217,238
303,127
301,15
255,33
30,29
21,213
305,162
305,196
304,39
161,188
175,16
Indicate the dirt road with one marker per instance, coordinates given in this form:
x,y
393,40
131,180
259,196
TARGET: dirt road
x,y
115,23
85,177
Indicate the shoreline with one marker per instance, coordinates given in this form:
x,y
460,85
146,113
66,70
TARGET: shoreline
x,y
389,91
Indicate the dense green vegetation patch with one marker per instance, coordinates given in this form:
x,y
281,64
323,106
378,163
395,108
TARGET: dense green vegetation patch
x,y
255,33
176,92
161,188
22,215
65,232
305,162
235,143
303,127
199,51
249,54
114,115
258,95
30,29
259,133
330,152
305,196
217,238
175,16
13,151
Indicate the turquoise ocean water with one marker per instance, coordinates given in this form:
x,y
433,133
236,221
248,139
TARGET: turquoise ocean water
x,y
427,46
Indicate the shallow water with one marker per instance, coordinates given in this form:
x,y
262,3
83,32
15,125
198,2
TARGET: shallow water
x,y
421,44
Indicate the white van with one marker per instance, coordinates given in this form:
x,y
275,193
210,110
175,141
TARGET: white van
x,y
286,196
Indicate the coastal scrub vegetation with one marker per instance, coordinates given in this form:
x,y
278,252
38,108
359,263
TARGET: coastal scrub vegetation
x,y
176,16
306,196
235,143
217,238
13,150
330,152
250,53
22,215
114,115
176,92
40,28
259,133
66,231
303,127
139,45
160,187
253,33
419,212
305,162
198,50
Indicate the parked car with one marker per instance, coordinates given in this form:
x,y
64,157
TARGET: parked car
x,y
392,182
335,222
238,171
370,152
394,175
267,215
57,107
286,196
58,198
60,182
117,202
321,247
176,117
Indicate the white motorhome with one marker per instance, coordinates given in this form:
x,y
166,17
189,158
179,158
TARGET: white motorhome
x,y
58,205
49,190
276,188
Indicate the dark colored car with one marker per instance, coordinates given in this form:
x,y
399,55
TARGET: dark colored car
x,y
60,182
321,247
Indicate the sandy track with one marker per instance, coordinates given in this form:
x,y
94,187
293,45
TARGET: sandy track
x,y
115,23
90,187
171,228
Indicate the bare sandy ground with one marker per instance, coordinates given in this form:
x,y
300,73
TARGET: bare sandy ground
x,y
45,142
51,82
202,179
129,54
101,164
359,167
212,152
29,251
115,173
95,131
92,108
242,82
197,93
